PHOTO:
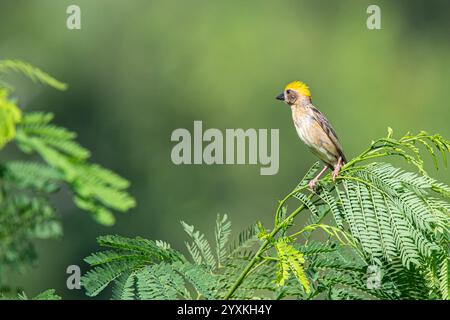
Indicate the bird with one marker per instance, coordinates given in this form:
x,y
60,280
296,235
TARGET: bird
x,y
314,129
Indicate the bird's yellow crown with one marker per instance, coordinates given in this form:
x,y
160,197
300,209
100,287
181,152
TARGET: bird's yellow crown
x,y
300,87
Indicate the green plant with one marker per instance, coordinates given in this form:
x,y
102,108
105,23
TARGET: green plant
x,y
146,269
379,218
379,232
27,186
45,295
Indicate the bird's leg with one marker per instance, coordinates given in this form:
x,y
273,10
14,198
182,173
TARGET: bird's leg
x,y
312,183
337,168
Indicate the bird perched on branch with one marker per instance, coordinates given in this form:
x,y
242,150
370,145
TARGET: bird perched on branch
x,y
313,129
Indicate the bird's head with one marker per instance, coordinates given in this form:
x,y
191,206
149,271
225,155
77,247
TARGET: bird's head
x,y
294,92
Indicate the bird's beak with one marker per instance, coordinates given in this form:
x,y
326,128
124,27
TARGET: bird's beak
x,y
280,97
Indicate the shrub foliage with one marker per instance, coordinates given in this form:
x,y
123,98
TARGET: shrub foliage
x,y
51,159
378,232
384,236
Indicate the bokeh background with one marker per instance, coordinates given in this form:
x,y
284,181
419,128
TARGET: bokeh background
x,y
139,69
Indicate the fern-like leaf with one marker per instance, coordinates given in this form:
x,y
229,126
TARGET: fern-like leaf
x,y
31,72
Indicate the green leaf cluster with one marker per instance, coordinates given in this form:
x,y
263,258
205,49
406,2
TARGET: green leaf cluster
x,y
383,235
96,189
51,159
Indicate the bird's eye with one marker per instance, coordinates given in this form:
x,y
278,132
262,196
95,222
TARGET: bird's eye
x,y
288,91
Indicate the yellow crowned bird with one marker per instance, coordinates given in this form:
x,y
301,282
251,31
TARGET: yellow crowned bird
x,y
313,128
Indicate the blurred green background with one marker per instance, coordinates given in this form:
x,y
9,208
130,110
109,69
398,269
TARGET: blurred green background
x,y
139,69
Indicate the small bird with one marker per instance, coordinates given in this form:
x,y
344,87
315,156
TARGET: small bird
x,y
313,129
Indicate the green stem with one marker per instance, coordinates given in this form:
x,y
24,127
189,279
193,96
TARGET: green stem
x,y
261,249
363,156
282,202
246,270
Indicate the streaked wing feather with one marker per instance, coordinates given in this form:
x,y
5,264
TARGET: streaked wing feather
x,y
328,129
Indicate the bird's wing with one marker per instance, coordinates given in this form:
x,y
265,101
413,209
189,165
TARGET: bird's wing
x,y
328,129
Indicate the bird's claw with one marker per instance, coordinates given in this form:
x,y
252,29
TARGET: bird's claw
x,y
334,175
336,171
312,184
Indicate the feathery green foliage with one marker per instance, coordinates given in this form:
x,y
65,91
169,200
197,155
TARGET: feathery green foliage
x,y
31,72
386,237
10,115
25,211
385,230
290,259
144,269
26,187
95,188
49,294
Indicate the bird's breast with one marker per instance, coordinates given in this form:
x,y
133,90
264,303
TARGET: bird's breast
x,y
312,134
303,124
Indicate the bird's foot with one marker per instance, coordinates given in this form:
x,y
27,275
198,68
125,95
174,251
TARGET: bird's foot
x,y
334,175
336,171
312,184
